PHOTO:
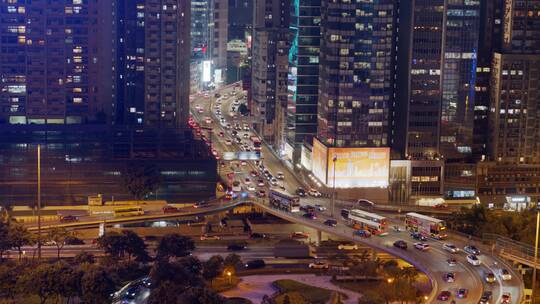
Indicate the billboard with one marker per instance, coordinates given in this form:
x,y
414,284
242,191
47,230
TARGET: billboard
x,y
207,71
354,167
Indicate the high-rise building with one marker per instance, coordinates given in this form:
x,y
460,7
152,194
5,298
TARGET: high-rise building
x,y
356,73
151,75
271,42
219,30
201,15
51,69
303,75
440,51
515,95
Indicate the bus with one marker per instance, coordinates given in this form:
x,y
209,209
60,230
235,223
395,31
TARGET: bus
x,y
128,211
256,143
425,225
283,200
363,220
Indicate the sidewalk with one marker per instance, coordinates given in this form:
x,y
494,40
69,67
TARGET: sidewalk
x,y
254,288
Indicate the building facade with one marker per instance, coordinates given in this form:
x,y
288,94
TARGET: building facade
x,y
303,79
51,68
152,78
219,32
356,73
201,14
271,43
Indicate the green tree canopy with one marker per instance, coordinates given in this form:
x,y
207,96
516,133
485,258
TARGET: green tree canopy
x,y
175,245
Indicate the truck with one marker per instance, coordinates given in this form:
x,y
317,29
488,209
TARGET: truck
x,y
293,249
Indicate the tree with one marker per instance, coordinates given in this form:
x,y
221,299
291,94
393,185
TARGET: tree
x,y
200,295
42,281
96,286
174,245
19,236
5,242
182,272
135,246
212,268
59,235
141,180
118,245
113,243
233,261
167,292
84,258
8,281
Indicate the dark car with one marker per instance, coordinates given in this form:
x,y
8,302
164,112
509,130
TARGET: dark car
x,y
301,192
258,235
418,236
345,213
236,247
69,218
132,291
310,215
255,264
471,250
486,296
444,295
331,223
462,293
400,244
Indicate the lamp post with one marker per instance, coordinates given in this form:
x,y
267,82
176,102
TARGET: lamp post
x,y
334,159
533,295
229,274
39,199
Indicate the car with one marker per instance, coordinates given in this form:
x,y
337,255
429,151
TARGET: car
x,y
257,235
69,218
318,265
451,262
421,246
273,182
347,246
462,293
208,120
255,264
307,208
260,183
506,298
444,295
345,213
247,181
228,142
486,296
363,233
301,192
200,204
261,193
133,290
313,192
418,236
490,277
299,235
246,127
450,247
449,277
320,207
221,134
471,250
169,209
246,135
209,237
401,244
243,163
473,260
331,223
280,175
147,282
505,274
251,188
236,247
310,215
254,173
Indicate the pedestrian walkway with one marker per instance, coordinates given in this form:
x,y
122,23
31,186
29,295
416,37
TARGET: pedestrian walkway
x,y
255,287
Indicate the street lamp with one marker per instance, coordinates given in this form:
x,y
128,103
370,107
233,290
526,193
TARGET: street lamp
x,y
535,252
39,200
229,274
334,159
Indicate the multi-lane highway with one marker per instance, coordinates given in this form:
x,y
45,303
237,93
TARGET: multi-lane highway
x,y
223,119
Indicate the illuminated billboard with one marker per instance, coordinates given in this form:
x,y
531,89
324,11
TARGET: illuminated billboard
x,y
207,71
354,167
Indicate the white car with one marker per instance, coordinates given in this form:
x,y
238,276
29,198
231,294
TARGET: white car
x,y
313,192
251,188
318,265
473,260
273,182
320,207
347,246
505,274
421,246
228,142
280,175
450,247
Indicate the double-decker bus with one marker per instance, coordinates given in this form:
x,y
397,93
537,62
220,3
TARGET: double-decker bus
x,y
128,211
283,200
425,225
363,220
256,143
